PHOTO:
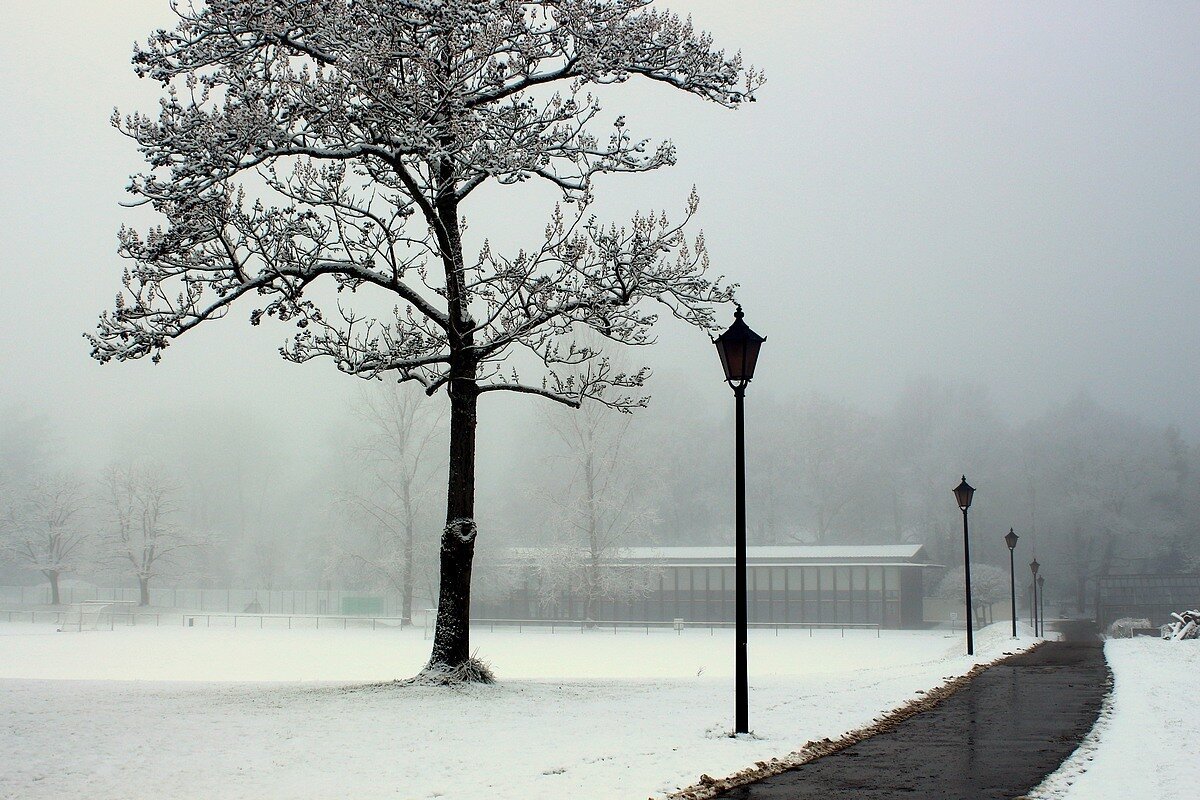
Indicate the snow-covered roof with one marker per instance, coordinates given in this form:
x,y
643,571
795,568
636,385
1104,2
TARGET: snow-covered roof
x,y
771,554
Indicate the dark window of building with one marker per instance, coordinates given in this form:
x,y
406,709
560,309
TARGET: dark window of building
x,y
778,594
858,594
875,595
828,611
843,595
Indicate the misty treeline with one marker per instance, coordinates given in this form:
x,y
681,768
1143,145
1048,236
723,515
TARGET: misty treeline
x,y
357,507
1089,491
122,524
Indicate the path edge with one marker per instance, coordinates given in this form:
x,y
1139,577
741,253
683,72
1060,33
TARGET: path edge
x,y
708,787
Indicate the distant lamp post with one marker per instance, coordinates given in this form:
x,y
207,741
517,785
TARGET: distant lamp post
x,y
1010,539
738,348
1033,567
1041,581
963,494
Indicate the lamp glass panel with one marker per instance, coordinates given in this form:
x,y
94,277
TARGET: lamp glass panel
x,y
750,358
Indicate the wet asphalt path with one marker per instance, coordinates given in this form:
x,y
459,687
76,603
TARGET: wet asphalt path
x,y
997,738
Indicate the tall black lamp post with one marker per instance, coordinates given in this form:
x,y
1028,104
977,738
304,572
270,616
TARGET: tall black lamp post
x,y
738,348
1033,567
963,494
1042,604
1010,539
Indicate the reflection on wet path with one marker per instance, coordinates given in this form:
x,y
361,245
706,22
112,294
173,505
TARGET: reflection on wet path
x,y
997,738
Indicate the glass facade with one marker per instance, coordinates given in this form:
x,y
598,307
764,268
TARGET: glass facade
x,y
870,593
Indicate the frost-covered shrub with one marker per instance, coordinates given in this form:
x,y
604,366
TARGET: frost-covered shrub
x,y
1124,627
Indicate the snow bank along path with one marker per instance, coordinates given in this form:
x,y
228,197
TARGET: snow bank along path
x,y
995,738
1147,738
196,713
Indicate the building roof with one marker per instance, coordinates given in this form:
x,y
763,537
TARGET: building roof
x,y
774,554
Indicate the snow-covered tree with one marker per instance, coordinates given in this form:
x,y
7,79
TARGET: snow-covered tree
x,y
143,534
989,585
397,465
601,507
304,142
43,528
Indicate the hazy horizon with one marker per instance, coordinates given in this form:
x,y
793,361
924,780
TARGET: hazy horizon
x,y
996,195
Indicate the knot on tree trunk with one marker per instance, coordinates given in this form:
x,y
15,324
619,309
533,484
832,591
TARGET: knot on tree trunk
x,y
462,530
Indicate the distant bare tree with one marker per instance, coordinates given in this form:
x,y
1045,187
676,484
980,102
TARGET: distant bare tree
x,y
42,528
143,533
601,508
399,457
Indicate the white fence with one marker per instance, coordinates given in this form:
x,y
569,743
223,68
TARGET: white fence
x,y
199,619
265,601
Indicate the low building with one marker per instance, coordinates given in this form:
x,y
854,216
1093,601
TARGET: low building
x,y
1152,597
878,584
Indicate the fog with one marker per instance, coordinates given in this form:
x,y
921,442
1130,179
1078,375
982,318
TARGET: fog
x,y
967,230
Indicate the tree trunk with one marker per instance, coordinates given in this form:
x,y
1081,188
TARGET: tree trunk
x,y
592,572
452,634
52,576
407,577
143,591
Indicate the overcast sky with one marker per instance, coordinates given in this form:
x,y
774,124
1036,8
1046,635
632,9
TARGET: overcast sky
x,y
999,193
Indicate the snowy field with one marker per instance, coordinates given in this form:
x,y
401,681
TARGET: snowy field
x,y
1146,741
220,713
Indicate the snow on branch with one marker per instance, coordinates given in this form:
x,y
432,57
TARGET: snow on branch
x,y
304,144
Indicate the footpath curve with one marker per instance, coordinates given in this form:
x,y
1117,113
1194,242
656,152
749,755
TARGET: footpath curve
x,y
998,737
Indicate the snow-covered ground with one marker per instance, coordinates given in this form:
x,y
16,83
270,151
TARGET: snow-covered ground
x,y
1146,741
205,713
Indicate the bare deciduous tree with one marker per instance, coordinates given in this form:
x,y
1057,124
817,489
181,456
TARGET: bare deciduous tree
x,y
398,463
42,528
143,535
601,508
309,142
